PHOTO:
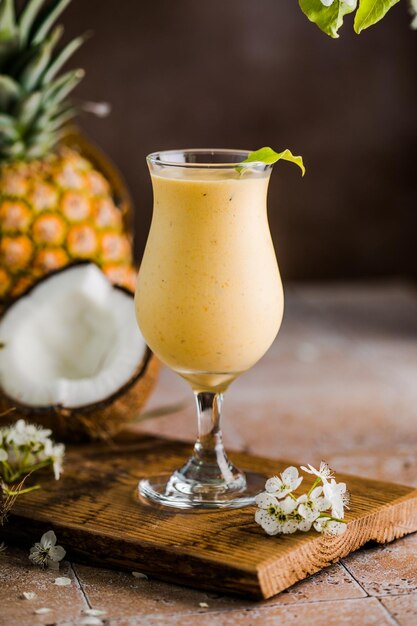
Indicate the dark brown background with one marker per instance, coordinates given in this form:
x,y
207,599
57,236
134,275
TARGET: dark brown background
x,y
247,73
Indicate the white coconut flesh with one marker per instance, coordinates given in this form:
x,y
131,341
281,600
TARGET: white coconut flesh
x,y
72,341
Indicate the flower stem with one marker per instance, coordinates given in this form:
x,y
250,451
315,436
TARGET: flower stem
x,y
11,492
313,486
334,519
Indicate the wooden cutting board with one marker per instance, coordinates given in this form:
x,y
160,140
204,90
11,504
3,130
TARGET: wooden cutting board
x,y
96,514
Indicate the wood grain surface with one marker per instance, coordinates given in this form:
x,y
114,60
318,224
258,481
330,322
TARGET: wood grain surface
x,y
97,515
338,384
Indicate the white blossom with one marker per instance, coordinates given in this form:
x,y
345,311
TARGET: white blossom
x,y
302,524
139,575
338,497
29,595
46,553
26,447
311,505
55,452
275,516
281,486
324,472
327,526
90,620
322,507
23,434
94,612
62,581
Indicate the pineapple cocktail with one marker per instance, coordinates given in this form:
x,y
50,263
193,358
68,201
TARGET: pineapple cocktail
x,y
209,301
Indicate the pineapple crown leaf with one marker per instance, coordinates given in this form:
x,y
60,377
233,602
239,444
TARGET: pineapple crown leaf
x,y
27,18
9,91
8,27
32,73
48,20
63,56
34,103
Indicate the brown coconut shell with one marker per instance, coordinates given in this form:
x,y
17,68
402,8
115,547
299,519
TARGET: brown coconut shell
x,y
97,421
101,420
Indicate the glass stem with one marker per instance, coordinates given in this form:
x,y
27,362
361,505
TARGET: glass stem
x,y
209,463
209,449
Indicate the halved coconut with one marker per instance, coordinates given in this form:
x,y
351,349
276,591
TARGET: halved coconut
x,y
72,356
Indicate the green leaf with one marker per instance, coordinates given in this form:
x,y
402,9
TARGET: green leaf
x,y
54,123
328,19
9,91
28,108
7,19
267,155
370,12
58,90
14,150
27,19
32,73
63,57
9,39
9,132
6,121
48,19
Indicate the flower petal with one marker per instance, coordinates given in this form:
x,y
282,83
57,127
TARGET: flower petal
x,y
48,539
265,500
290,526
29,595
57,553
94,612
267,521
290,474
296,483
304,526
288,505
139,575
273,484
63,581
90,620
35,548
317,491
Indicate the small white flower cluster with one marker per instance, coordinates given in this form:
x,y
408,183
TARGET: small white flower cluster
x,y
25,448
322,507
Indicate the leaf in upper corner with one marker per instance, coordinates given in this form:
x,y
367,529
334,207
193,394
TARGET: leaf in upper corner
x,y
328,18
370,12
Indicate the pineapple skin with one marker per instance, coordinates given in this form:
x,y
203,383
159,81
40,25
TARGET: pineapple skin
x,y
56,211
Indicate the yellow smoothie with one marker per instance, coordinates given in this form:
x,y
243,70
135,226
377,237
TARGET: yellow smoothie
x,y
209,299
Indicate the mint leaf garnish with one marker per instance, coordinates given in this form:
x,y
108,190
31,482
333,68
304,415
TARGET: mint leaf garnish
x,y
370,12
267,155
329,18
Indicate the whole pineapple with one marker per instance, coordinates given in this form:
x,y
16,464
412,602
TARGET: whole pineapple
x,y
55,206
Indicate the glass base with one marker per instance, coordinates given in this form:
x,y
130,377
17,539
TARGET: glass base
x,y
175,491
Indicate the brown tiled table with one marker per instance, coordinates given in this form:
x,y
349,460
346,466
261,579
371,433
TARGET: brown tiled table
x,y
340,383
